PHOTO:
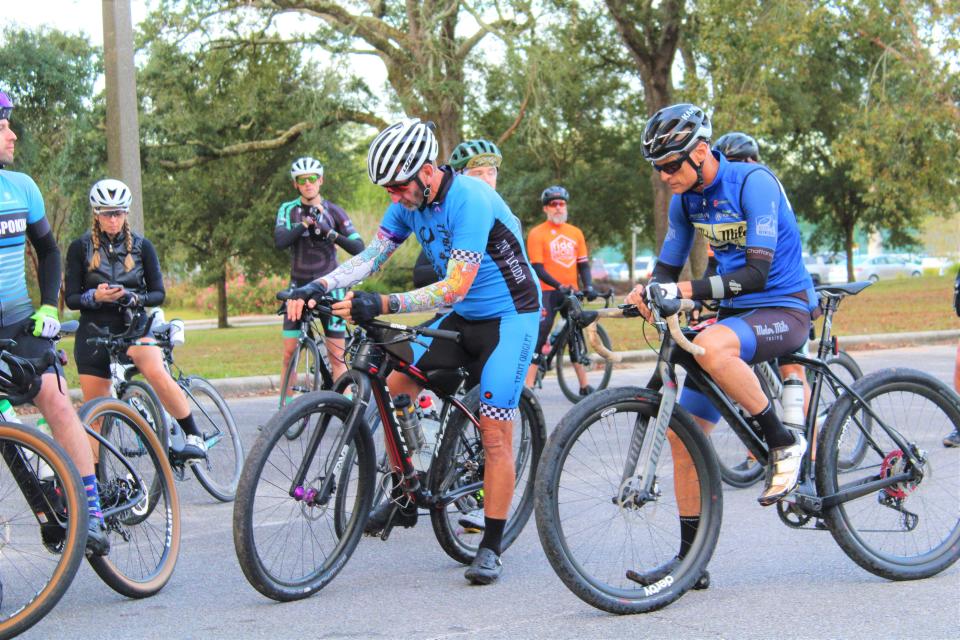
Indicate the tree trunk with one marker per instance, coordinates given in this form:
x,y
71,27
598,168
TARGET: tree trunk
x,y
222,299
848,245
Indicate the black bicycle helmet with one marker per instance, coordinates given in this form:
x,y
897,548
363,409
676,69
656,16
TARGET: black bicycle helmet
x,y
675,129
556,192
475,153
738,147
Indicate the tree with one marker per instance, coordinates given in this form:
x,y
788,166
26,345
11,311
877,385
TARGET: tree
x,y
214,204
417,42
50,77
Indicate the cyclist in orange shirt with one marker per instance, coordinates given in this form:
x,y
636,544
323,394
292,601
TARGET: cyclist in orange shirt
x,y
558,253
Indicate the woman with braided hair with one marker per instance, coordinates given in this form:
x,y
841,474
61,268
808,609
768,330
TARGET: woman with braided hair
x,y
109,269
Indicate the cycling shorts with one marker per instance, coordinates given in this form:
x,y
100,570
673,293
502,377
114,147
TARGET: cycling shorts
x,y
552,299
764,333
28,345
92,360
333,327
496,352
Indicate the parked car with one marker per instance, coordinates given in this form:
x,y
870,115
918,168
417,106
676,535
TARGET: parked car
x,y
885,266
616,270
826,268
598,271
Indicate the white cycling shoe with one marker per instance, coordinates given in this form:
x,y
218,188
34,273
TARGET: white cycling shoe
x,y
783,471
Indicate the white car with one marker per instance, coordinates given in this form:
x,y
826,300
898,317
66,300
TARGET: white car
x,y
885,266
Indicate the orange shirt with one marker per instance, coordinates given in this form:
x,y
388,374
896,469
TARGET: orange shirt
x,y
559,248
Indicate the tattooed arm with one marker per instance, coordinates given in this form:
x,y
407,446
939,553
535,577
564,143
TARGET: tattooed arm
x,y
363,264
461,271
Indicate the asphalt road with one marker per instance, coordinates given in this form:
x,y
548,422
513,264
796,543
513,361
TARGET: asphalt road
x,y
768,580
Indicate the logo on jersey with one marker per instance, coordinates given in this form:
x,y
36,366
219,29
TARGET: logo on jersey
x,y
13,226
563,251
724,233
767,226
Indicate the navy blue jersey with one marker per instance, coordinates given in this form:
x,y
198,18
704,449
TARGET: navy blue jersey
x,y
744,206
471,220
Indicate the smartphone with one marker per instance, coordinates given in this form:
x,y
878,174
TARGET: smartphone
x,y
115,286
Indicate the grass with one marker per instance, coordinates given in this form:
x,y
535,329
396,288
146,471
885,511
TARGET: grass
x,y
895,306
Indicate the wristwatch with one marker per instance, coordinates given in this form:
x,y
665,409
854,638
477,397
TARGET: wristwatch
x,y
332,235
393,303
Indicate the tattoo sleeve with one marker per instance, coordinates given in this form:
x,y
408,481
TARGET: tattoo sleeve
x,y
462,270
363,264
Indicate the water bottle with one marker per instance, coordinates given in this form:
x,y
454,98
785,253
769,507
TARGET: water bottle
x,y
430,427
409,422
177,332
557,328
792,401
7,413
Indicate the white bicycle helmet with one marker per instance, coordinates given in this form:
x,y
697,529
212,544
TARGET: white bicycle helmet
x,y
399,152
306,166
110,194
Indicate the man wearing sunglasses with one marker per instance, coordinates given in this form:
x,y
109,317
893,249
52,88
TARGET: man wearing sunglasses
x,y
23,217
474,240
766,293
312,228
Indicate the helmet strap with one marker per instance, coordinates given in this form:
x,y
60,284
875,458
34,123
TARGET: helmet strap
x,y
699,169
426,192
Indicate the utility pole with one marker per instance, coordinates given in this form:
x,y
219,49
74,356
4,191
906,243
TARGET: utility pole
x,y
123,129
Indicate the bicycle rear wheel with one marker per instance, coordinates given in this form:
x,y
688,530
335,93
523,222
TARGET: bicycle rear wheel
x,y
286,539
40,555
460,462
219,473
854,444
144,536
737,467
598,373
911,529
595,527
302,376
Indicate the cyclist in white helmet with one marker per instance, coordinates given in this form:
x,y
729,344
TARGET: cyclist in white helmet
x,y
312,228
473,239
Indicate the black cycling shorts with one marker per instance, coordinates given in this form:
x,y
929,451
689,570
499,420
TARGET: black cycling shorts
x,y
92,360
28,345
333,326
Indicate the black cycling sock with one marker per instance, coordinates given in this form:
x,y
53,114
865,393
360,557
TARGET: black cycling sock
x,y
189,426
688,531
492,534
774,432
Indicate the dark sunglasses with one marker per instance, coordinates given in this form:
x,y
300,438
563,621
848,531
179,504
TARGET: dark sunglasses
x,y
5,113
302,180
111,213
393,187
673,166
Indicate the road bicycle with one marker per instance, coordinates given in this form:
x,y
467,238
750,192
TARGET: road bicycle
x,y
219,472
568,346
302,504
43,541
309,367
607,511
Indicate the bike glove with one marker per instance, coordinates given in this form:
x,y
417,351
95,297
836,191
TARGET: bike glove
x,y
590,293
46,323
310,291
365,306
668,289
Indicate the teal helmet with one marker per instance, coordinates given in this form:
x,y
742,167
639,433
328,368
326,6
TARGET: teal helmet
x,y
475,153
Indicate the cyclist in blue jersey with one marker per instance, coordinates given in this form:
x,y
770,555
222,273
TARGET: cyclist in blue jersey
x,y
22,216
312,228
766,292
470,236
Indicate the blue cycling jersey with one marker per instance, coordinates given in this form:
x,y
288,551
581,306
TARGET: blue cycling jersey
x,y
21,206
469,218
744,206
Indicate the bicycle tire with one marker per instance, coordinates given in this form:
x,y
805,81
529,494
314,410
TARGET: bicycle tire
x,y
219,473
307,357
153,528
606,527
382,472
460,461
142,397
264,492
921,409
567,375
43,573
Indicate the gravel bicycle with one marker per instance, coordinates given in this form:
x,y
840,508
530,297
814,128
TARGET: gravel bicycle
x,y
568,346
43,508
302,504
219,472
607,511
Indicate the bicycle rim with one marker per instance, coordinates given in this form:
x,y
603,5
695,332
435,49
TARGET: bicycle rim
x,y
144,537
38,560
594,527
288,546
853,443
911,529
219,473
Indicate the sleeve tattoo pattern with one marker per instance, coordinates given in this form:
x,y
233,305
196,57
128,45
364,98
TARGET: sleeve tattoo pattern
x,y
363,264
462,270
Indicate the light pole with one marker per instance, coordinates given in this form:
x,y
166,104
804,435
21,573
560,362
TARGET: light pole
x,y
123,130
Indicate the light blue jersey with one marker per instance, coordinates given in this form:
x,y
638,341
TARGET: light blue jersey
x,y
21,207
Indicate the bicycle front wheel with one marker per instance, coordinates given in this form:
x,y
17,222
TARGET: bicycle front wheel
x,y
460,462
43,526
302,376
219,473
141,396
597,525
911,529
285,535
145,532
576,352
